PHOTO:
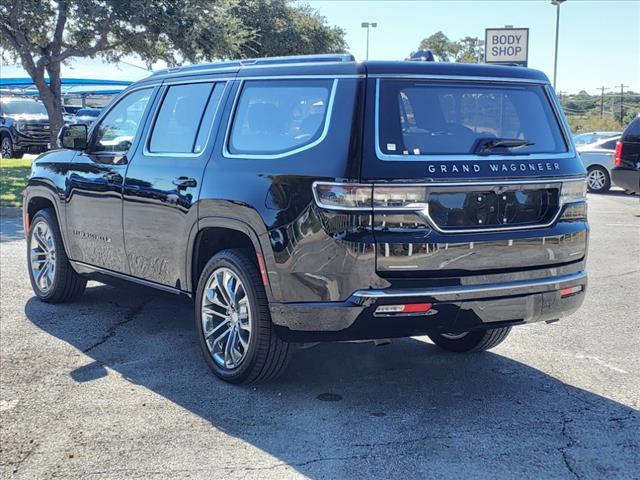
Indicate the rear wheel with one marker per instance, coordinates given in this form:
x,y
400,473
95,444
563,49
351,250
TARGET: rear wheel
x,y
598,179
53,279
475,341
234,325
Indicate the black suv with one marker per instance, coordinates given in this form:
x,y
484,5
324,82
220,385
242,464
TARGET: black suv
x,y
319,199
24,126
626,163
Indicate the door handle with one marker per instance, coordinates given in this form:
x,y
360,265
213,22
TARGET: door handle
x,y
113,178
184,182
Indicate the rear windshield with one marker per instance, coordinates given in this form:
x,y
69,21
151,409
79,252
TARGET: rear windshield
x,y
421,118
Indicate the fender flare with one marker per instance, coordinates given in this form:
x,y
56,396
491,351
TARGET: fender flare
x,y
42,191
260,242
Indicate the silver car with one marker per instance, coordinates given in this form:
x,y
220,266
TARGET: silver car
x,y
589,137
598,160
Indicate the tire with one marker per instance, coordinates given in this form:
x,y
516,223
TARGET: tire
x,y
598,179
260,355
7,150
63,284
475,341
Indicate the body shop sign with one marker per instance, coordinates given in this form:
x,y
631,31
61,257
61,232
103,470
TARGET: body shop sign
x,y
506,45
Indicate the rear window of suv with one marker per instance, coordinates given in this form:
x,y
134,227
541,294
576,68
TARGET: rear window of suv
x,y
455,118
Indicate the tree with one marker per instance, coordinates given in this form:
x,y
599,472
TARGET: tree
x,y
280,29
466,50
45,33
443,48
469,50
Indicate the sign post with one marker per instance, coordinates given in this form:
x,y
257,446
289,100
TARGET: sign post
x,y
506,46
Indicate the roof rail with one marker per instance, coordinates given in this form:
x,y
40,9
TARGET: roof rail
x,y
250,62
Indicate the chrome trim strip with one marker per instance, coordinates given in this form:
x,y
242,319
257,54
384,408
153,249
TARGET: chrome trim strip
x,y
320,139
145,150
570,153
461,78
295,77
516,287
124,276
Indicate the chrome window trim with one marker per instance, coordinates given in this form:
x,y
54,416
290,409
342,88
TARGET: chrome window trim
x,y
295,77
268,156
462,78
145,150
570,153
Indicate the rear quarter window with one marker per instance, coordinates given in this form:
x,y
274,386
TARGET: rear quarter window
x,y
279,116
451,118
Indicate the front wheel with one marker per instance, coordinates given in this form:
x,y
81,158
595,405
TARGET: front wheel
x,y
233,322
7,150
598,180
52,277
475,341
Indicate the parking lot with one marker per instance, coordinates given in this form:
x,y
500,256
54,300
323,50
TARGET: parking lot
x,y
114,386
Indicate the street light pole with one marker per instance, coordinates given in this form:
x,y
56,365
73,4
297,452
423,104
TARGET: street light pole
x,y
368,25
557,3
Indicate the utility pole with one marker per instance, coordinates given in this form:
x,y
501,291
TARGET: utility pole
x,y
622,87
602,89
557,4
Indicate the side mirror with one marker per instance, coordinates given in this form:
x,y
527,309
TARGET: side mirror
x,y
73,137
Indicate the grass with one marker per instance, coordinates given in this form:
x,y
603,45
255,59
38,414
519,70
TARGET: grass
x,y
13,178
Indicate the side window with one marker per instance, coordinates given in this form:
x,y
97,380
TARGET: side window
x,y
277,116
185,117
118,128
610,145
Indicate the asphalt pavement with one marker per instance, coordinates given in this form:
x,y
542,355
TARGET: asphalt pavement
x,y
114,386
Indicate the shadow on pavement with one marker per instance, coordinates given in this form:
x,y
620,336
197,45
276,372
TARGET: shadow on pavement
x,y
407,407
11,229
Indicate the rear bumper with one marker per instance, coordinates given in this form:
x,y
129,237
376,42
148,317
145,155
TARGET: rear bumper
x,y
454,309
627,179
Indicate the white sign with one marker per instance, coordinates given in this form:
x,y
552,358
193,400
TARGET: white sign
x,y
506,45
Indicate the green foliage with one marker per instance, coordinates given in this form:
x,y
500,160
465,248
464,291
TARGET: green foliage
x,y
281,29
466,50
13,178
583,111
45,33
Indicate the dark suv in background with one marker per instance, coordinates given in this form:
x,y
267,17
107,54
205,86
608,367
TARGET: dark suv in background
x,y
626,170
310,199
24,126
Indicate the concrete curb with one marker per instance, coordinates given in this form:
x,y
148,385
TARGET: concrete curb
x,y
10,212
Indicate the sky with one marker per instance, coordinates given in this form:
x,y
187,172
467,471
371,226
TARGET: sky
x,y
599,42
599,39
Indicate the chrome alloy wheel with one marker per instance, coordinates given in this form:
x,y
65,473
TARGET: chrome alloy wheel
x,y
596,179
43,256
454,336
226,318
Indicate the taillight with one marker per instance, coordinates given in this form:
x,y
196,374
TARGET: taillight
x,y
342,196
617,158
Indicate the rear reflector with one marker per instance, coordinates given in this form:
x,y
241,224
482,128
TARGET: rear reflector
x,y
567,292
400,309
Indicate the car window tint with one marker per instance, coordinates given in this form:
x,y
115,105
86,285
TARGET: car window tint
x,y
610,145
118,128
420,118
207,118
274,117
178,120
